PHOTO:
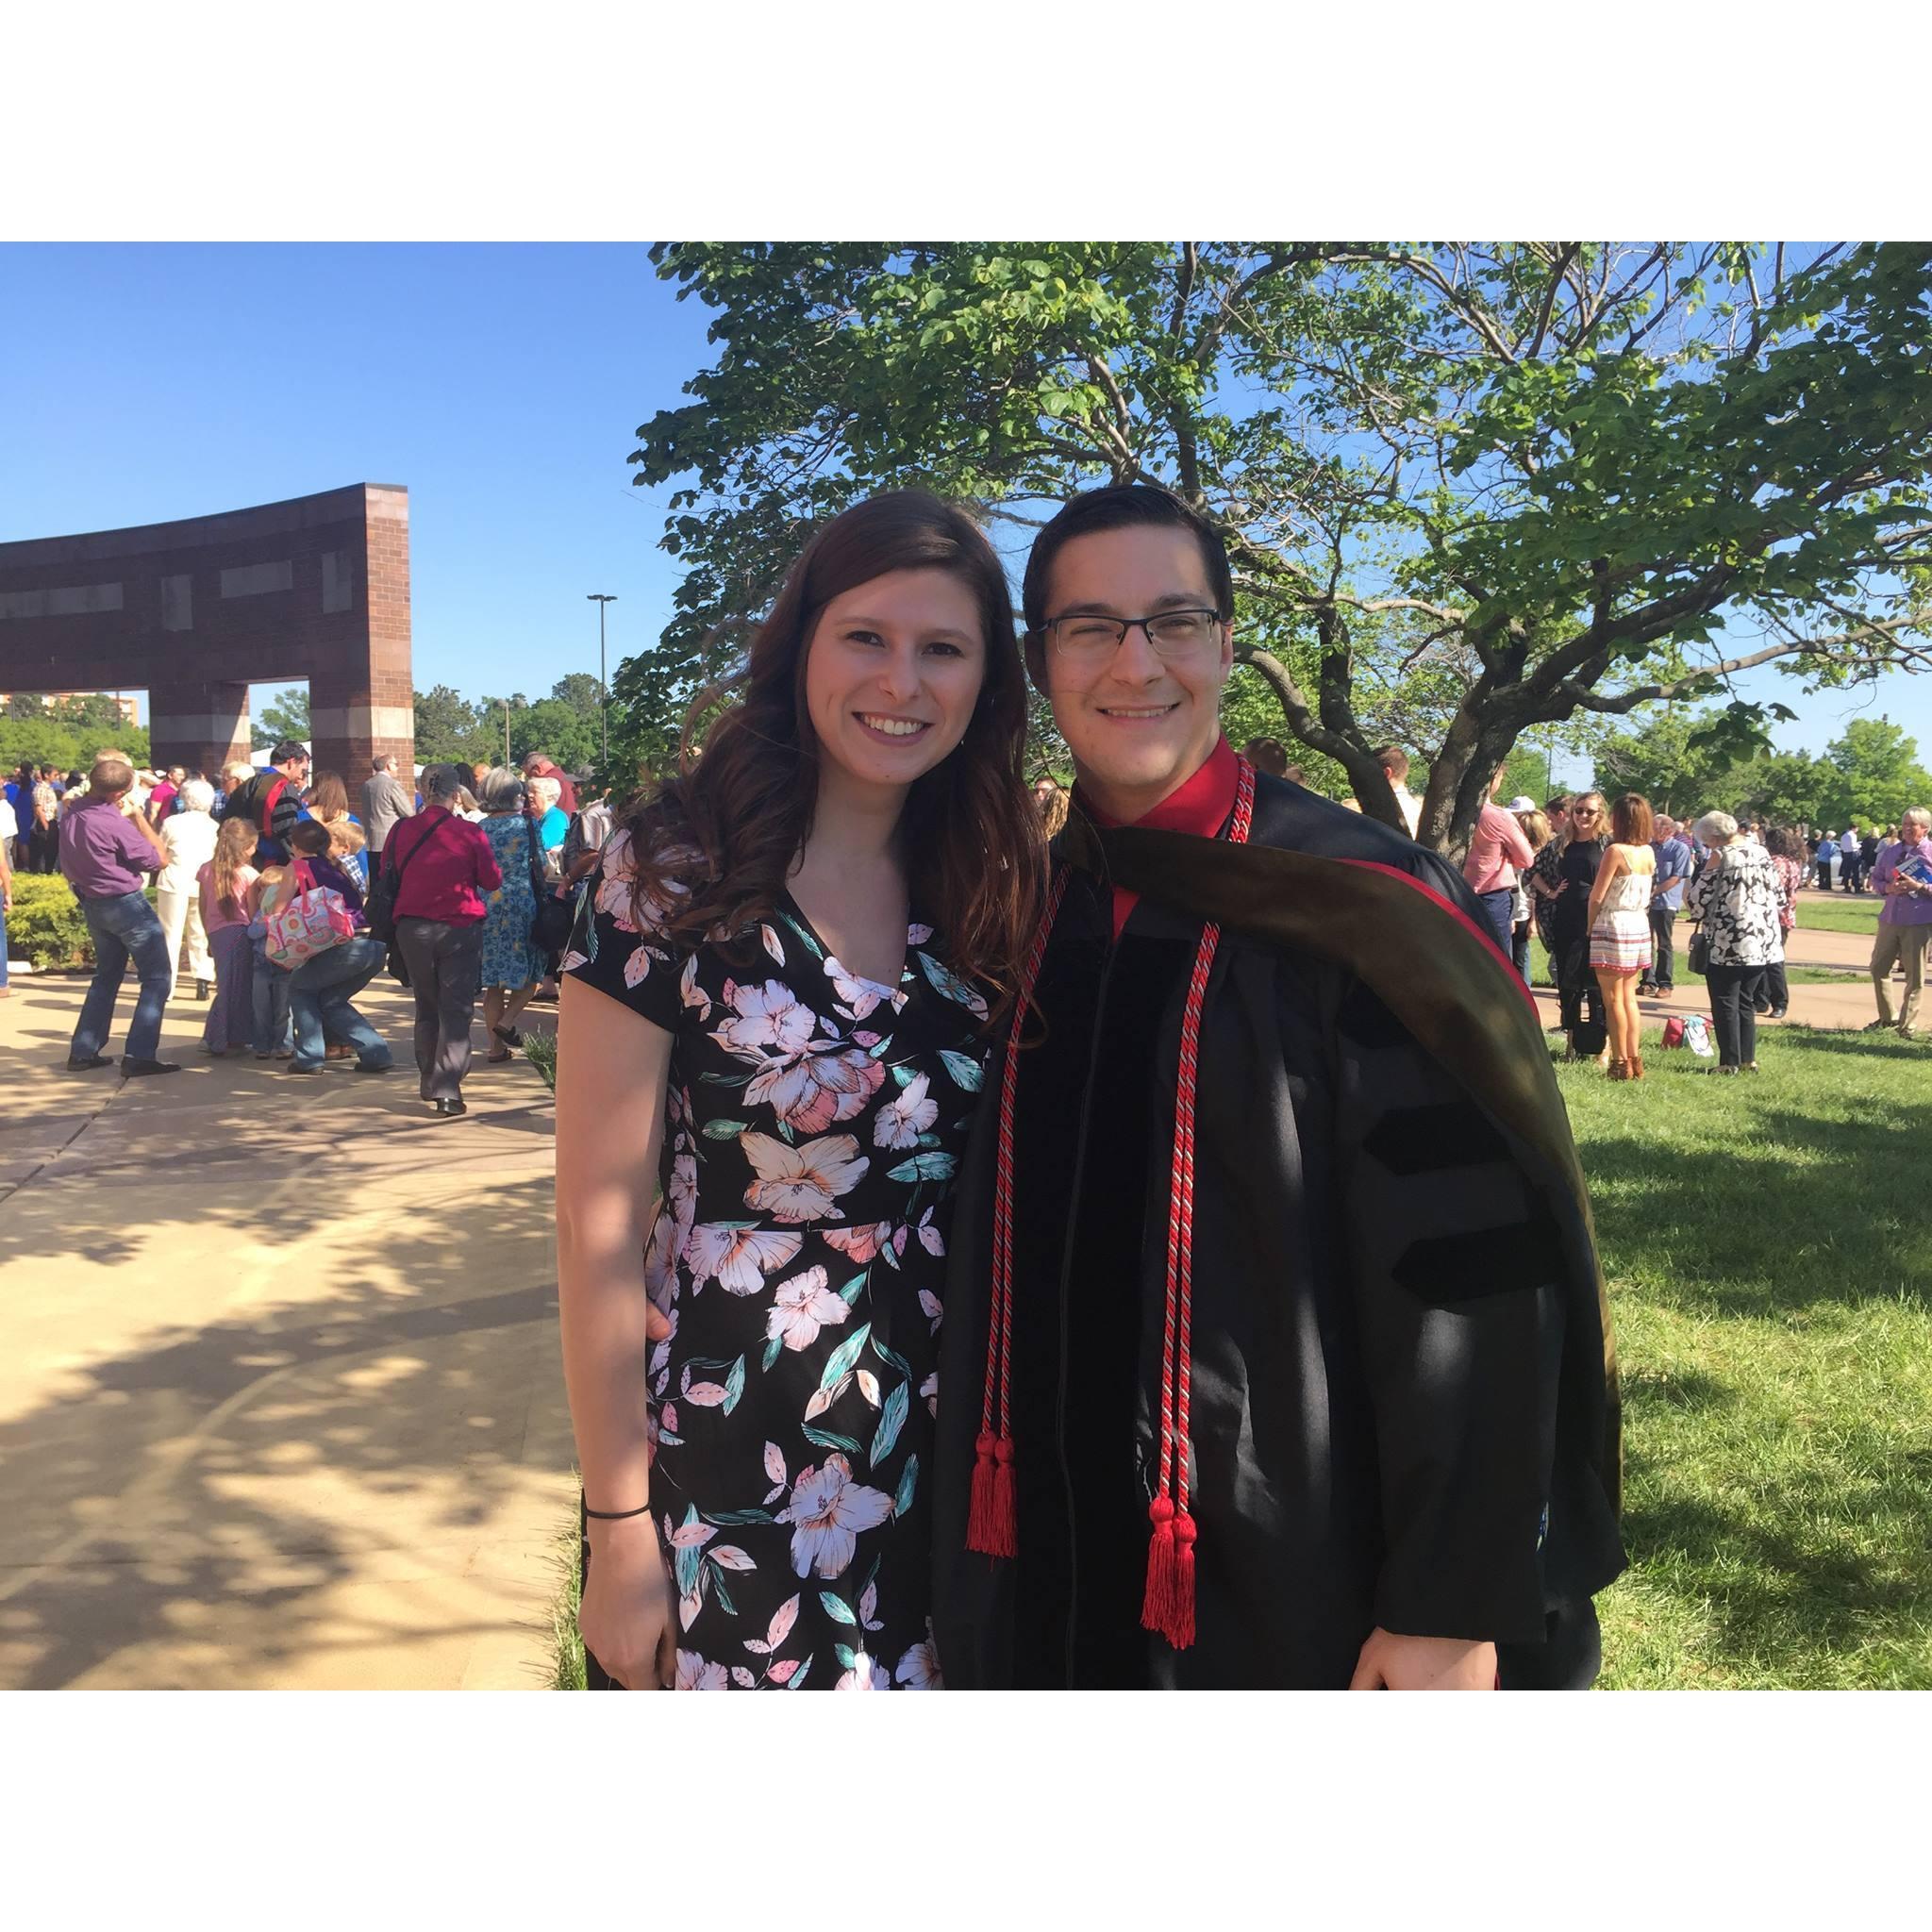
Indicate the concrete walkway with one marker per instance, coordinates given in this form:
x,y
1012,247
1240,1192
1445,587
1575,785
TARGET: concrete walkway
x,y
280,1399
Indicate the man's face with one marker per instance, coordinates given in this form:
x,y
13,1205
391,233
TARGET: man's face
x,y
296,769
1139,725
1914,828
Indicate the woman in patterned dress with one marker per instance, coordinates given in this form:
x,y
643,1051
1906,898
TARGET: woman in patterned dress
x,y
773,1011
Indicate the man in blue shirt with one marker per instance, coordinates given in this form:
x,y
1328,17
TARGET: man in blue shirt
x,y
1673,867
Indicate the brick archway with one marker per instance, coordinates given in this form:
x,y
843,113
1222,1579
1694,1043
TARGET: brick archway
x,y
315,587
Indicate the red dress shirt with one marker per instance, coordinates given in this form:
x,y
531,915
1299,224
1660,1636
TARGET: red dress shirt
x,y
447,867
1201,806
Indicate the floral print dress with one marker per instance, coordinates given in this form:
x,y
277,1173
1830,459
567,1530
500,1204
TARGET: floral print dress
x,y
815,1122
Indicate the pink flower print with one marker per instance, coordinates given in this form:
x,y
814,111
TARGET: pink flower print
x,y
681,1192
801,1183
919,1669
695,1673
930,1239
901,1121
826,1511
810,1095
804,1306
860,998
865,1674
694,995
918,935
738,1258
766,1020
860,1243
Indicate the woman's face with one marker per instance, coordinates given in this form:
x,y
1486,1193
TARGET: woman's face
x,y
892,672
1587,819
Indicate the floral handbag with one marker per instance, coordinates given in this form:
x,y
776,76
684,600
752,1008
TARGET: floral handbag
x,y
310,923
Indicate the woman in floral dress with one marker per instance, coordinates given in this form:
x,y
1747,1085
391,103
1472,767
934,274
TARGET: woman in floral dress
x,y
774,1010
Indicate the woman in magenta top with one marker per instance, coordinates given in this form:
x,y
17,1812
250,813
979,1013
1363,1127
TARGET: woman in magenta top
x,y
445,870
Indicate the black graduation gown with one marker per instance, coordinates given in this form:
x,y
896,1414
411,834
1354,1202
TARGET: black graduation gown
x,y
1403,1404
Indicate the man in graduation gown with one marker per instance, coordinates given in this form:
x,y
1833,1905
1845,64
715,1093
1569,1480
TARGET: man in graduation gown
x,y
1276,1351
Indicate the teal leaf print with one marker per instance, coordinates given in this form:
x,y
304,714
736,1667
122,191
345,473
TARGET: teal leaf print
x,y
837,1609
908,1483
734,1385
892,1359
825,1438
849,1294
690,1555
799,1676
811,944
966,1072
845,1654
734,1518
904,1076
774,1349
892,1419
724,1130
844,1356
951,984
719,1592
925,1167
928,1139
882,1049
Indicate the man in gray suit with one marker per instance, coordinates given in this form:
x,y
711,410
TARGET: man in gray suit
x,y
385,800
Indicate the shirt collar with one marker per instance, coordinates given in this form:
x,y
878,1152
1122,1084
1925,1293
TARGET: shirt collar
x,y
1201,806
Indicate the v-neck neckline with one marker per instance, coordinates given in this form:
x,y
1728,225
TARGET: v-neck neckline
x,y
827,956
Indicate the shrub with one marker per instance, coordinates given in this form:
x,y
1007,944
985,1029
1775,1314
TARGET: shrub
x,y
539,1049
45,928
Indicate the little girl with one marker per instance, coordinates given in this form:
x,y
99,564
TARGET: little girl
x,y
224,882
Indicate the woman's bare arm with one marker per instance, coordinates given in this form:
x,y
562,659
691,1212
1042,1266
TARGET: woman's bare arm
x,y
1614,863
613,1069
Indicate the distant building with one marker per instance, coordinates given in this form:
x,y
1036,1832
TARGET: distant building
x,y
129,706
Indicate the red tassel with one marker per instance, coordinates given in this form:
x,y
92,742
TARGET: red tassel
x,y
1157,1603
979,1509
1005,1508
1180,1627
990,1512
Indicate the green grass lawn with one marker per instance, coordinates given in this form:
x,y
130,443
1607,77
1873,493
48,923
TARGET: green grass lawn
x,y
1763,1237
1770,1285
1842,912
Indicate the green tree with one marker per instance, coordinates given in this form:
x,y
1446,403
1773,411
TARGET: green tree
x,y
449,728
1876,774
1493,485
283,718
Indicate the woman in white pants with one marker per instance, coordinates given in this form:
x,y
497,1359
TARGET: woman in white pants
x,y
187,842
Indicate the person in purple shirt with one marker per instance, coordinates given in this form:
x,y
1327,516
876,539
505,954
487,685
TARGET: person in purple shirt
x,y
107,853
321,989
1904,919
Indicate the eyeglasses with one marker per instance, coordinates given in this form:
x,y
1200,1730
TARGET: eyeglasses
x,y
1175,635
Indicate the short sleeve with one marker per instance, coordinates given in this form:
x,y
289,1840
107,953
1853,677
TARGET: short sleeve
x,y
621,947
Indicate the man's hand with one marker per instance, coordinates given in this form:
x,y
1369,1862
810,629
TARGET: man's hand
x,y
656,1323
1389,1662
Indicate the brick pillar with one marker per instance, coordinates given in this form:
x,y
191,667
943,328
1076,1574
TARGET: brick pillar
x,y
364,705
202,724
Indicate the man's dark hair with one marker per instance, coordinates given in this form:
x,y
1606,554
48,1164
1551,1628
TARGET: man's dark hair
x,y
1267,755
1123,506
1393,761
286,750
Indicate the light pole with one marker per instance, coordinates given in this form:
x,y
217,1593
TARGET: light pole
x,y
600,599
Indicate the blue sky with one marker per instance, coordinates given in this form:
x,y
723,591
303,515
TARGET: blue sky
x,y
502,383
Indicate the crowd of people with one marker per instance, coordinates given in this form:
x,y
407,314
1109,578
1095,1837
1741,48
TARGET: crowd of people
x,y
269,892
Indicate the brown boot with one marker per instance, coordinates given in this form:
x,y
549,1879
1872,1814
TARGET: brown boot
x,y
1637,1066
1618,1070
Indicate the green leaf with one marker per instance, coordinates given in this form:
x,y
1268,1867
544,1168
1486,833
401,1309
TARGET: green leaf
x,y
892,1419
836,1608
689,1560
908,1485
905,1077
774,1349
718,1590
966,1073
727,1519
843,1652
798,1675
724,1130
828,1438
892,1359
925,1167
849,1294
843,1356
734,1385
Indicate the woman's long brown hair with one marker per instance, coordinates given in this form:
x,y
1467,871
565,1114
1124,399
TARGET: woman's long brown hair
x,y
969,832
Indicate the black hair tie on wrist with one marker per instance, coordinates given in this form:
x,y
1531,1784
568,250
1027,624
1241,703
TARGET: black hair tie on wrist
x,y
616,1515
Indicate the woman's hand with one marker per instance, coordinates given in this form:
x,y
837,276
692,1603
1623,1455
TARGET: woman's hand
x,y
627,1620
1389,1662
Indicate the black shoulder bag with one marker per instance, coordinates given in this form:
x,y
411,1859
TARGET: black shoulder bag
x,y
551,922
380,909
